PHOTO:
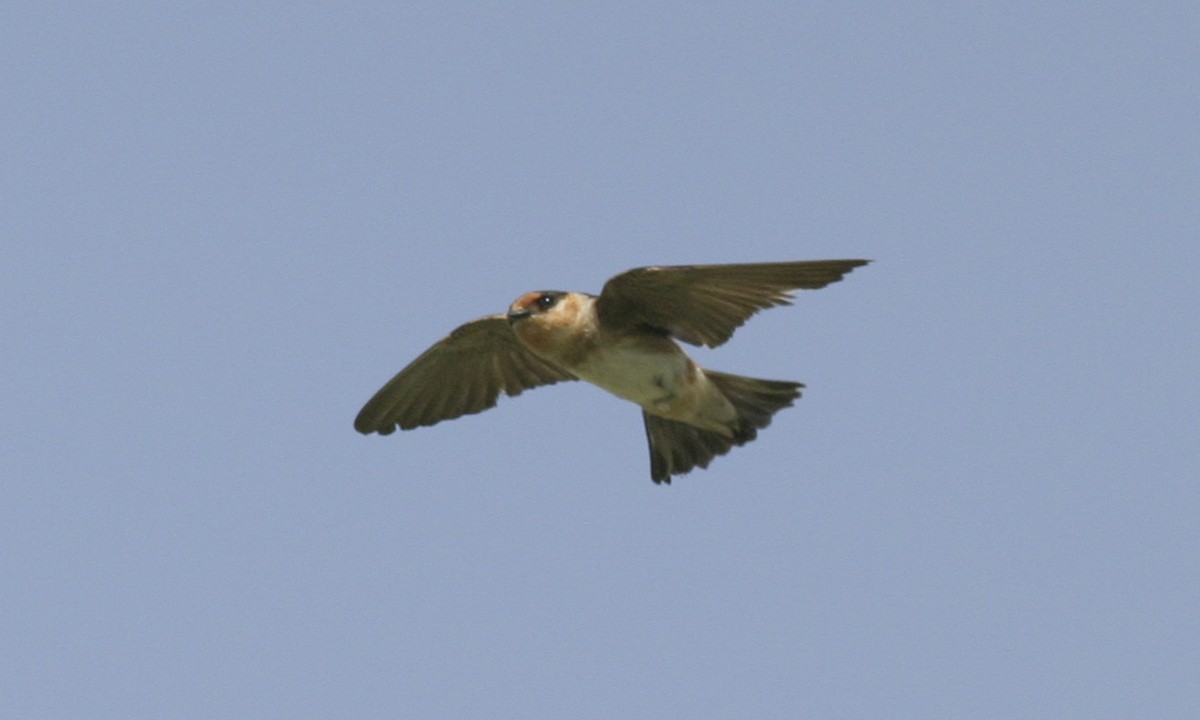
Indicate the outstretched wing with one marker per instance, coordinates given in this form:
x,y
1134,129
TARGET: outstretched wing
x,y
704,304
462,374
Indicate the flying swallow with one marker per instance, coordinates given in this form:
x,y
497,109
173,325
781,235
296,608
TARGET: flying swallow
x,y
624,342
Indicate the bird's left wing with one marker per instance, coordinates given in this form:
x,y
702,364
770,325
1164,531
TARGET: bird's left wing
x,y
704,304
462,374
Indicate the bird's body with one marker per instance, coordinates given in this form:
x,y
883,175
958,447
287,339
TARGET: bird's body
x,y
621,341
648,369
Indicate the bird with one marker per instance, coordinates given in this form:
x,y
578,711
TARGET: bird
x,y
624,340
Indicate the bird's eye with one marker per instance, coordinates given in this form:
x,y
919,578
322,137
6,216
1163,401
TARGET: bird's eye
x,y
545,302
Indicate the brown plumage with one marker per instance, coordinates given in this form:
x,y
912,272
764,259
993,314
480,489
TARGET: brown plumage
x,y
622,341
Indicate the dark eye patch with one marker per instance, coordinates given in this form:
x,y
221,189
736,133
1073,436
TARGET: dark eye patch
x,y
546,301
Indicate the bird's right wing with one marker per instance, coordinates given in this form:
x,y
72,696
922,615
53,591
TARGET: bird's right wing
x,y
462,374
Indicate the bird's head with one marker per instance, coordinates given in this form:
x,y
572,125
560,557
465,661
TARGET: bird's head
x,y
551,322
540,305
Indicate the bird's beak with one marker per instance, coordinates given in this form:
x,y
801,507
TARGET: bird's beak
x,y
517,313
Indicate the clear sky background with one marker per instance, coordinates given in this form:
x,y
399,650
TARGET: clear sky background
x,y
226,224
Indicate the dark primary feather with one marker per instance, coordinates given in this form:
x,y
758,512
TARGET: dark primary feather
x,y
462,374
704,304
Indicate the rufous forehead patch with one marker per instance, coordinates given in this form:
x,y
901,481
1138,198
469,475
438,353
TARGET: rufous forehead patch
x,y
526,301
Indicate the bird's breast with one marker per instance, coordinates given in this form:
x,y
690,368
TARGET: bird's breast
x,y
650,371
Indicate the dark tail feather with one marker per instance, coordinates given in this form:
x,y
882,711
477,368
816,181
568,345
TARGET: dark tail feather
x,y
755,400
676,447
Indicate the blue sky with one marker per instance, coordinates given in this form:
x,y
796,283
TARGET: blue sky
x,y
226,225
